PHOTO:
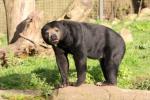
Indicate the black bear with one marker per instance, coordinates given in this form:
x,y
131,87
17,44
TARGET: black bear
x,y
85,40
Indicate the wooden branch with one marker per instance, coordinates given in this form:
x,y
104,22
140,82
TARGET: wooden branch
x,y
140,7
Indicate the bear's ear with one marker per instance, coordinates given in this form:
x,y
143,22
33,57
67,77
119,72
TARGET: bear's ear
x,y
65,27
62,22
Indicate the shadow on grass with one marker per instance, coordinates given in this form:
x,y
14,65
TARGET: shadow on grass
x,y
30,80
50,76
15,81
96,73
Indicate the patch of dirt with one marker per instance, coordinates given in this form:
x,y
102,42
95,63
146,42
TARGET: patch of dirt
x,y
92,92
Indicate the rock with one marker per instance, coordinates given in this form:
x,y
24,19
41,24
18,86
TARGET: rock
x,y
92,92
145,12
126,35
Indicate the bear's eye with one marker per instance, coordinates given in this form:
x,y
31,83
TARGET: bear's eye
x,y
46,32
56,30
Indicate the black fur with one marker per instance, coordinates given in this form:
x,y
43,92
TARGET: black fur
x,y
84,40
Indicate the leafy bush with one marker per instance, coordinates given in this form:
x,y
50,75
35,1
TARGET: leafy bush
x,y
24,81
39,84
141,83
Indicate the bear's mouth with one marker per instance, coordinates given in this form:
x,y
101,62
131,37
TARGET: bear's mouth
x,y
53,41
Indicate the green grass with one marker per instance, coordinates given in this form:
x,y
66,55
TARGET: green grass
x,y
20,97
41,73
138,52
31,73
137,57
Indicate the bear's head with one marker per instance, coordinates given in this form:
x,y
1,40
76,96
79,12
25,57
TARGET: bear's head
x,y
53,32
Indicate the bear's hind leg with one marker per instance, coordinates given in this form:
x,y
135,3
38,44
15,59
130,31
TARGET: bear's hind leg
x,y
110,71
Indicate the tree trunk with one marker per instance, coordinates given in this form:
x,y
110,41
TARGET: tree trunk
x,y
28,40
78,10
16,12
23,29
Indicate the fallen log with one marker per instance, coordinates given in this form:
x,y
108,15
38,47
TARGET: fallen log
x,y
92,92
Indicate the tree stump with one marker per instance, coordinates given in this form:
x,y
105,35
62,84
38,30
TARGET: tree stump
x,y
30,41
16,12
27,40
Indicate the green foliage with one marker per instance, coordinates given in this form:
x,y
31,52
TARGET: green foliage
x,y
26,75
136,61
89,78
96,73
39,84
125,76
26,81
142,83
140,26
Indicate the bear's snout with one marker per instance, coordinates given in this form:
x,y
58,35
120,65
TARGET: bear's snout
x,y
54,37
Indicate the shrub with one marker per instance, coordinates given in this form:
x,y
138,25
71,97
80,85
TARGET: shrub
x,y
142,83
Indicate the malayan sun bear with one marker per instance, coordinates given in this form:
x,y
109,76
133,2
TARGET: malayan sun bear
x,y
85,40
